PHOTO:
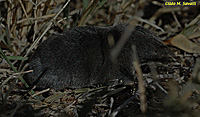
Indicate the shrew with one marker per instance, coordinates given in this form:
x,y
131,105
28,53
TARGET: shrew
x,y
80,57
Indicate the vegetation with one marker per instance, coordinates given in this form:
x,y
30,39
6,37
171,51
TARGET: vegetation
x,y
169,89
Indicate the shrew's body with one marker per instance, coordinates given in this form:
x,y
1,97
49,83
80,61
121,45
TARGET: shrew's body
x,y
80,57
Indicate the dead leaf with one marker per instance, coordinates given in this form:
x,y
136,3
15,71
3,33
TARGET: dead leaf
x,y
184,43
54,97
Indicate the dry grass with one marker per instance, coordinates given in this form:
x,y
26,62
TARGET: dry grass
x,y
171,89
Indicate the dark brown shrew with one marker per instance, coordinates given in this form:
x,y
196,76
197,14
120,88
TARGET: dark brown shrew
x,y
80,57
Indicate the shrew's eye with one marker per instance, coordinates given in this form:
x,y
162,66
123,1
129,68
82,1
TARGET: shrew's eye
x,y
156,51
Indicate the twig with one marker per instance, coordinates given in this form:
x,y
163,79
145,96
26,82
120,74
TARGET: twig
x,y
36,3
36,22
114,92
15,74
91,7
126,34
195,20
40,92
141,87
114,113
49,26
111,105
36,18
161,88
178,23
24,11
148,22
154,72
164,10
13,68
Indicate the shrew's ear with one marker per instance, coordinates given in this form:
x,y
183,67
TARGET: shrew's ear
x,y
145,31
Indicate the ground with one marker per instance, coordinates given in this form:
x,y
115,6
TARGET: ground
x,y
169,89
